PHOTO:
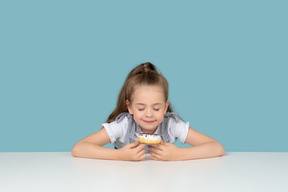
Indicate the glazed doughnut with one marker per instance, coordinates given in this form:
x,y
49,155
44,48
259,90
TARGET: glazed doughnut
x,y
149,138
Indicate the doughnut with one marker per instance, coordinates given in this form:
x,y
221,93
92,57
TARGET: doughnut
x,y
149,138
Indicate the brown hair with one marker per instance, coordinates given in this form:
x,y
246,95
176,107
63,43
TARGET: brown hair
x,y
143,74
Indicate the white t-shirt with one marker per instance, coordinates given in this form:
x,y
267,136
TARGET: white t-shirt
x,y
117,130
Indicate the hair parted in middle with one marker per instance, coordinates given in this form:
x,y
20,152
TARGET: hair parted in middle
x,y
143,74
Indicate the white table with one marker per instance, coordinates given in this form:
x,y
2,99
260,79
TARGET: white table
x,y
59,171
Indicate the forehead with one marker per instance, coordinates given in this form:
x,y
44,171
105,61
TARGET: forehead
x,y
148,95
140,104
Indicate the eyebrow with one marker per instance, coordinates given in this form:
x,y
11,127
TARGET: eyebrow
x,y
152,104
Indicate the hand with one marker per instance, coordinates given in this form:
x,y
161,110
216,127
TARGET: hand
x,y
133,152
166,152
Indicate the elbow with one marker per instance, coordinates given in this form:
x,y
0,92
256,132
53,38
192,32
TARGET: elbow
x,y
75,150
220,149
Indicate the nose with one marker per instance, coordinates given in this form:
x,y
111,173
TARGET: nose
x,y
149,113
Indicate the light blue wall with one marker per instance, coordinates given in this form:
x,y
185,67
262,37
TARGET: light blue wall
x,y
63,63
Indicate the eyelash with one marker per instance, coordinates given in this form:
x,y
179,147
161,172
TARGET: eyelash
x,y
143,109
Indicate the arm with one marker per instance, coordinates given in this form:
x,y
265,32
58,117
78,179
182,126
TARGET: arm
x,y
91,147
202,147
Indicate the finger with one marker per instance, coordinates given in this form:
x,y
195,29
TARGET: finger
x,y
135,144
140,147
154,155
154,149
142,157
154,158
140,153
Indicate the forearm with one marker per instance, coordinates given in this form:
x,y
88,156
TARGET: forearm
x,y
90,150
206,150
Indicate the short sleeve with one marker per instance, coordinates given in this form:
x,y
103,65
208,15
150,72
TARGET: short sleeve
x,y
178,129
116,130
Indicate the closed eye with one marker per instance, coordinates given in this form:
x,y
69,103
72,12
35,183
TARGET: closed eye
x,y
143,109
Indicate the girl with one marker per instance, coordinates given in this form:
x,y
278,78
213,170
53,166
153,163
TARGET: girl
x,y
143,107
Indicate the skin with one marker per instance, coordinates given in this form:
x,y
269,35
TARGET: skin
x,y
143,107
148,105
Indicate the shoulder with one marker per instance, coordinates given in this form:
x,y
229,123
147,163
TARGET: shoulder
x,y
173,117
175,122
118,128
121,121
124,116
177,128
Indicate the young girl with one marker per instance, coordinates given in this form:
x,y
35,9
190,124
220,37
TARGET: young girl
x,y
143,107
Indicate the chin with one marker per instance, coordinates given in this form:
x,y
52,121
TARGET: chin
x,y
149,129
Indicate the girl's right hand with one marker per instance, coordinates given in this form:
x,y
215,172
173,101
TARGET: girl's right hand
x,y
132,152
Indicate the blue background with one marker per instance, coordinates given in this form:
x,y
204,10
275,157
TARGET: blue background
x,y
64,62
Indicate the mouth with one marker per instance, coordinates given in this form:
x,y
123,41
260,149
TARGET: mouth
x,y
149,122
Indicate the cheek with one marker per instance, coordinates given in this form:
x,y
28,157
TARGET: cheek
x,y
137,115
160,117
138,118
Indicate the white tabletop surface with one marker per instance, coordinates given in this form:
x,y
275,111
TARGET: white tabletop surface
x,y
59,171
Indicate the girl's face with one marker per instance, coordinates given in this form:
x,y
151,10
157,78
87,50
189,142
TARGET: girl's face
x,y
148,107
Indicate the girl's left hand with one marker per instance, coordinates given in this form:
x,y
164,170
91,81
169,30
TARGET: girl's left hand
x,y
165,152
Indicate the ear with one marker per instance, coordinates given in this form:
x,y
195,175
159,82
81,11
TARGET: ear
x,y
167,105
129,107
